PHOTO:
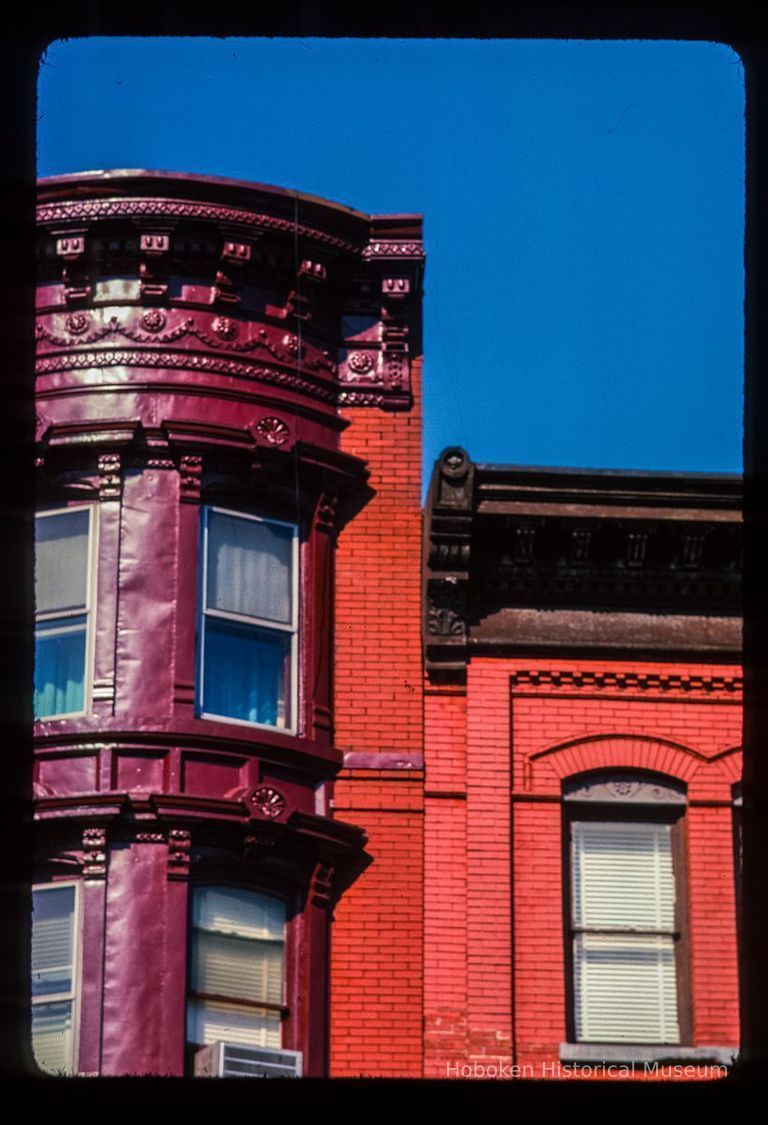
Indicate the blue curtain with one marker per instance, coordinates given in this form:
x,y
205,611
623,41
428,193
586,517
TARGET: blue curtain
x,y
246,673
60,667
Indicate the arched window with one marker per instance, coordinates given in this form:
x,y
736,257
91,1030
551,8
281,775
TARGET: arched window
x,y
236,967
625,888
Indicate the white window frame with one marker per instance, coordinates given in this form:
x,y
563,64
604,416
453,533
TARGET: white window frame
x,y
233,1002
291,629
87,612
73,996
603,817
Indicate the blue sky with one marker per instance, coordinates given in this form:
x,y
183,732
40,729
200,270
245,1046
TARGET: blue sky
x,y
583,211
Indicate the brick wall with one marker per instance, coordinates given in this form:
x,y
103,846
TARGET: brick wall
x,y
377,936
522,738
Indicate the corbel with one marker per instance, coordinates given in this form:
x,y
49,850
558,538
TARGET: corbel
x,y
94,852
179,852
636,545
310,273
448,543
154,251
190,478
110,476
235,254
70,249
580,544
395,331
326,514
692,548
321,883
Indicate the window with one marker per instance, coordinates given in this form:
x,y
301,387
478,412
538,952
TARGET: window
x,y
54,976
248,649
63,580
625,936
236,968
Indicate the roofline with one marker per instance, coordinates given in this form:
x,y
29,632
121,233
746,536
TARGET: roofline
x,y
119,176
634,474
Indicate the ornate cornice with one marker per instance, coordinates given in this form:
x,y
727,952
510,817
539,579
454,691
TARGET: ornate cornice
x,y
190,361
398,248
220,333
89,210
645,682
525,559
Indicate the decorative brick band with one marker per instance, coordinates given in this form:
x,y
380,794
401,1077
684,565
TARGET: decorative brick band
x,y
628,681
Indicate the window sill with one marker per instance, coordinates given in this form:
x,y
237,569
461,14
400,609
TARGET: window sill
x,y
646,1053
208,716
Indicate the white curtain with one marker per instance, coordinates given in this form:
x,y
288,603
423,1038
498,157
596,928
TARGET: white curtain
x,y
249,567
61,561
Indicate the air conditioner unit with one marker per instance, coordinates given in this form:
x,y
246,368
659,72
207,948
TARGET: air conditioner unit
x,y
238,1060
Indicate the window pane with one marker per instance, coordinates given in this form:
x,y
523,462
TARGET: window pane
x,y
207,1022
249,567
238,943
625,989
622,875
52,940
52,1036
234,910
60,667
61,561
239,968
246,672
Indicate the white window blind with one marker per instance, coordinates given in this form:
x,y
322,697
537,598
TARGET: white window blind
x,y
623,895
237,967
54,976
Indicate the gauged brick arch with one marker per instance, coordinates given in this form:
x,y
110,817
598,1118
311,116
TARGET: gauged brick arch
x,y
618,751
729,762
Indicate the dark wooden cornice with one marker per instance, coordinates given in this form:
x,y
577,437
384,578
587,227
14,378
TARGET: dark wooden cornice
x,y
524,559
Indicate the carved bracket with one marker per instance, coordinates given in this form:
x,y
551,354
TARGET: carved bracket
x,y
154,246
449,538
447,607
71,250
327,512
95,853
179,852
234,255
321,884
191,478
110,476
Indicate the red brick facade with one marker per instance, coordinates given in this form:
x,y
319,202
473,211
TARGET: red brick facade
x,y
461,912
495,972
376,1013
